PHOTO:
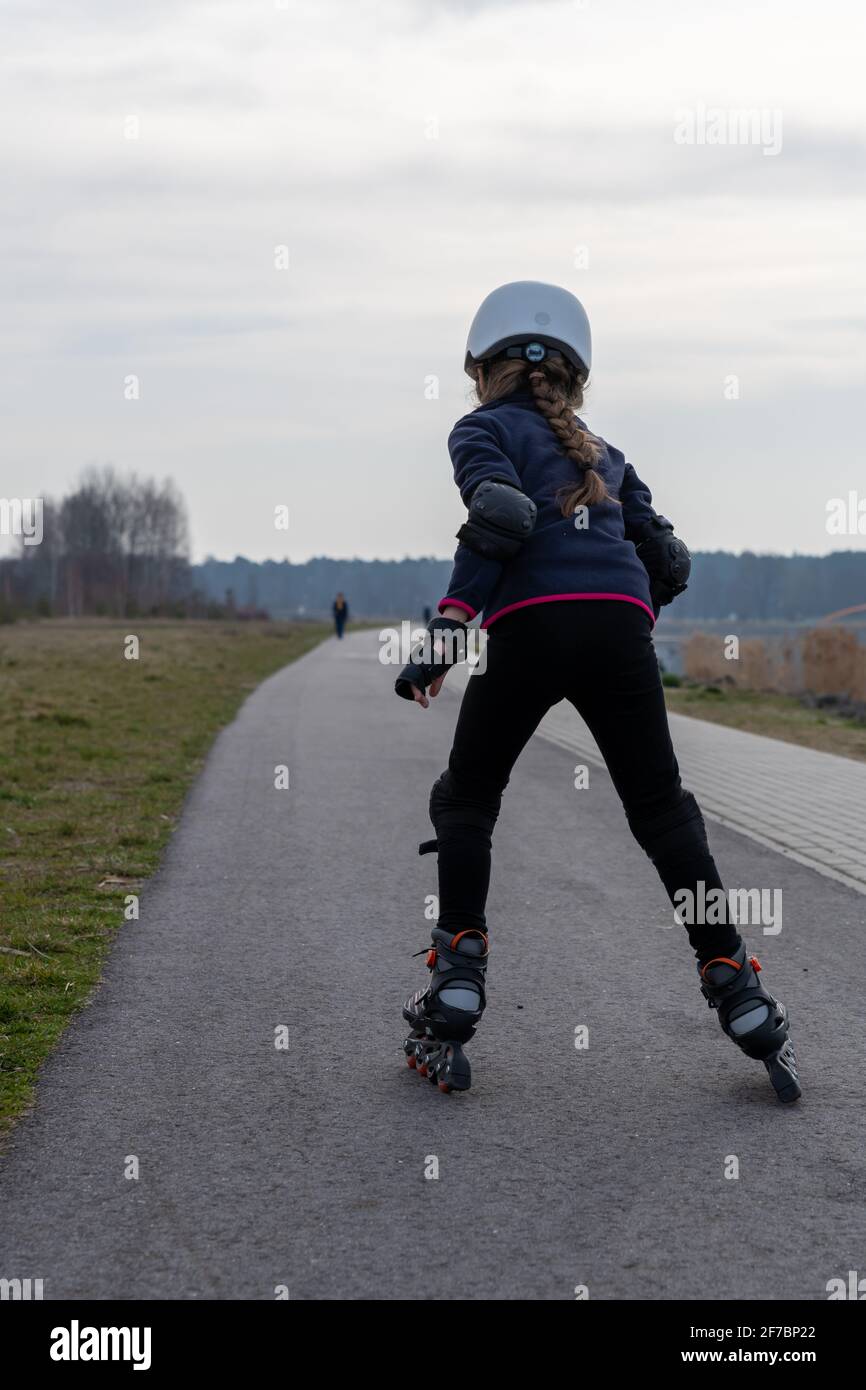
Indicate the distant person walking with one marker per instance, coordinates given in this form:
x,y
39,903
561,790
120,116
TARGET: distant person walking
x,y
341,613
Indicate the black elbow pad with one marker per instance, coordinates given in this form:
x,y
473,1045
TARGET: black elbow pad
x,y
666,560
500,519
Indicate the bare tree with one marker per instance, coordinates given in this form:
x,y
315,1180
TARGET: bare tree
x,y
123,543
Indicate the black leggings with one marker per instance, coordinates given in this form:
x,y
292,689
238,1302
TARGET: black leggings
x,y
599,655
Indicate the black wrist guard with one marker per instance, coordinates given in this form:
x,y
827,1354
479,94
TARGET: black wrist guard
x,y
443,646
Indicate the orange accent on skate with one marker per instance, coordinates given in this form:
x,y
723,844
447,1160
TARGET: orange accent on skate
x,y
719,960
431,957
469,931
755,964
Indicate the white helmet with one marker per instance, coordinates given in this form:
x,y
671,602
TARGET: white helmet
x,y
524,319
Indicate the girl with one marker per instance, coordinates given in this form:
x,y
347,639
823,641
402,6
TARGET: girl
x,y
569,562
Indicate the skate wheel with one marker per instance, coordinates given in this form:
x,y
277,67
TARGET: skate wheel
x,y
410,1062
445,1087
422,1068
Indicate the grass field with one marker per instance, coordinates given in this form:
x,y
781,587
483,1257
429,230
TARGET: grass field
x,y
96,754
777,716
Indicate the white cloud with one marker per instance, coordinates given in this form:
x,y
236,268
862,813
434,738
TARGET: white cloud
x,y
308,126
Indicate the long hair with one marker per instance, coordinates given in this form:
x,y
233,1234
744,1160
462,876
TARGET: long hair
x,y
557,388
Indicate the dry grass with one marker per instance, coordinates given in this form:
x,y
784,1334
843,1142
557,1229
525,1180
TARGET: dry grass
x,y
776,716
96,754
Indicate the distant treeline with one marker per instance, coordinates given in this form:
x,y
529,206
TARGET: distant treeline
x,y
115,545
373,588
722,585
118,546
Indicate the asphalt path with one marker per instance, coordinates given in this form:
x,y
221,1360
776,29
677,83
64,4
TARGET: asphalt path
x,y
324,1166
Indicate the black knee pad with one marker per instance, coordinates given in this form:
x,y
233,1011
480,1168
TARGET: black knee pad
x,y
675,833
454,805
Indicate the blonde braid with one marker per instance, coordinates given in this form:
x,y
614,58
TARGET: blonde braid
x,y
557,390
574,442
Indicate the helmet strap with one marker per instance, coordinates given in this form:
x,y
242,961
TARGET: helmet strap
x,y
531,351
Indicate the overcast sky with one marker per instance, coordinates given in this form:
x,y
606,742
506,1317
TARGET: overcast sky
x,y
411,156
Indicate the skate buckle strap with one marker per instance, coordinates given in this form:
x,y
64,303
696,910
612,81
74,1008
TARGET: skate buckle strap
x,y
755,964
720,960
430,952
714,993
433,954
469,931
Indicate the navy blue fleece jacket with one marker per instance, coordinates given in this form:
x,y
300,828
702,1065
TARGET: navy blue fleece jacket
x,y
510,440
